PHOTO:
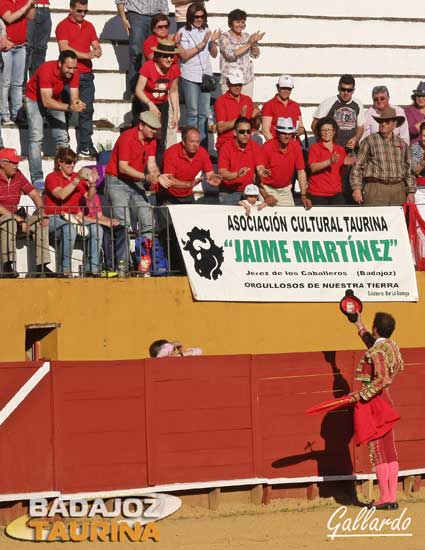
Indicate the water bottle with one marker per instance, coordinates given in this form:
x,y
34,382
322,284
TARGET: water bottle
x,y
212,128
121,269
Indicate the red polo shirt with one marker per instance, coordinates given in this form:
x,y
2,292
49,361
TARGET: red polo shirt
x,y
227,107
327,182
48,76
128,147
16,32
233,158
73,203
79,36
11,190
179,165
275,108
281,162
158,84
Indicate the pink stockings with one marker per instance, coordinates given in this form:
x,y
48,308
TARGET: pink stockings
x,y
383,456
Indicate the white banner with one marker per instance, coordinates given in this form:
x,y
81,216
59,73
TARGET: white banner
x,y
294,255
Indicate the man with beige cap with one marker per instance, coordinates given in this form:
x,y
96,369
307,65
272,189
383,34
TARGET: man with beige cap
x,y
132,170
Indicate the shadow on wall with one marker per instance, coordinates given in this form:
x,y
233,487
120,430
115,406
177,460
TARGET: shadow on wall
x,y
336,431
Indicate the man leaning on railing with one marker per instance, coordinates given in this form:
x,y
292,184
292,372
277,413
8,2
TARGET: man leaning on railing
x,y
12,184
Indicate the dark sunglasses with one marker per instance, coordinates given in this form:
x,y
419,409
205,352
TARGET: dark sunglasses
x,y
244,132
199,17
348,90
69,162
167,55
162,26
380,98
83,12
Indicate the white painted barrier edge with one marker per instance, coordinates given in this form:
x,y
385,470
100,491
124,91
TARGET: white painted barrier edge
x,y
24,391
140,491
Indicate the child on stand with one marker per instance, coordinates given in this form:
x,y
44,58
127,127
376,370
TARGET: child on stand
x,y
251,199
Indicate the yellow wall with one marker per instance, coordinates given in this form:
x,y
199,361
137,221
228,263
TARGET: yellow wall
x,y
118,319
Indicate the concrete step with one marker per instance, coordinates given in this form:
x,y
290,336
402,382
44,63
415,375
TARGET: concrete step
x,y
409,9
297,58
317,30
18,138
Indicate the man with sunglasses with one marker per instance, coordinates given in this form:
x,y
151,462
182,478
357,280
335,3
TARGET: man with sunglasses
x,y
237,162
381,100
347,112
230,106
280,159
77,34
12,184
44,100
136,18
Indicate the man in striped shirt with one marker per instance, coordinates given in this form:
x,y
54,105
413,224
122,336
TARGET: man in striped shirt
x,y
383,173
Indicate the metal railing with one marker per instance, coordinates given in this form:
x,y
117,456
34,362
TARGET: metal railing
x,y
140,244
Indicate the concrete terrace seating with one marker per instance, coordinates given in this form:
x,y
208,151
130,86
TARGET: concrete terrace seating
x,y
315,42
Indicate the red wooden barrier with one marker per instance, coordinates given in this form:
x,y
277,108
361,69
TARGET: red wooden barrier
x,y
26,442
92,426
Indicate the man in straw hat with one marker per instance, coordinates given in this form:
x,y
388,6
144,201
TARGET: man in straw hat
x,y
383,172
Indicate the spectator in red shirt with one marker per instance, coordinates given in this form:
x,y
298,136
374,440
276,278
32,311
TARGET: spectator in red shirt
x,y
12,184
65,194
15,14
131,170
230,106
43,101
281,106
160,26
326,160
237,162
75,33
158,79
280,158
183,164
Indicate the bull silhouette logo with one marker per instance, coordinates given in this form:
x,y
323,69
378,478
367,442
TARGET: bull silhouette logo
x,y
207,256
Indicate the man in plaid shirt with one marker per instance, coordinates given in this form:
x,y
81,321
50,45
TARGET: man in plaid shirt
x,y
383,173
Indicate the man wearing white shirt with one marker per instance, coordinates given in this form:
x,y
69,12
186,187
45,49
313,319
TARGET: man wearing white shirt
x,y
381,99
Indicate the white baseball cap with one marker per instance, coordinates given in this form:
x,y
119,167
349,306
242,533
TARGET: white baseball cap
x,y
285,126
285,81
251,190
236,77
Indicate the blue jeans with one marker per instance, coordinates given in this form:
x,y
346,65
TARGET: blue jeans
x,y
38,33
115,246
229,198
13,78
140,29
57,123
197,107
65,234
129,203
85,118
